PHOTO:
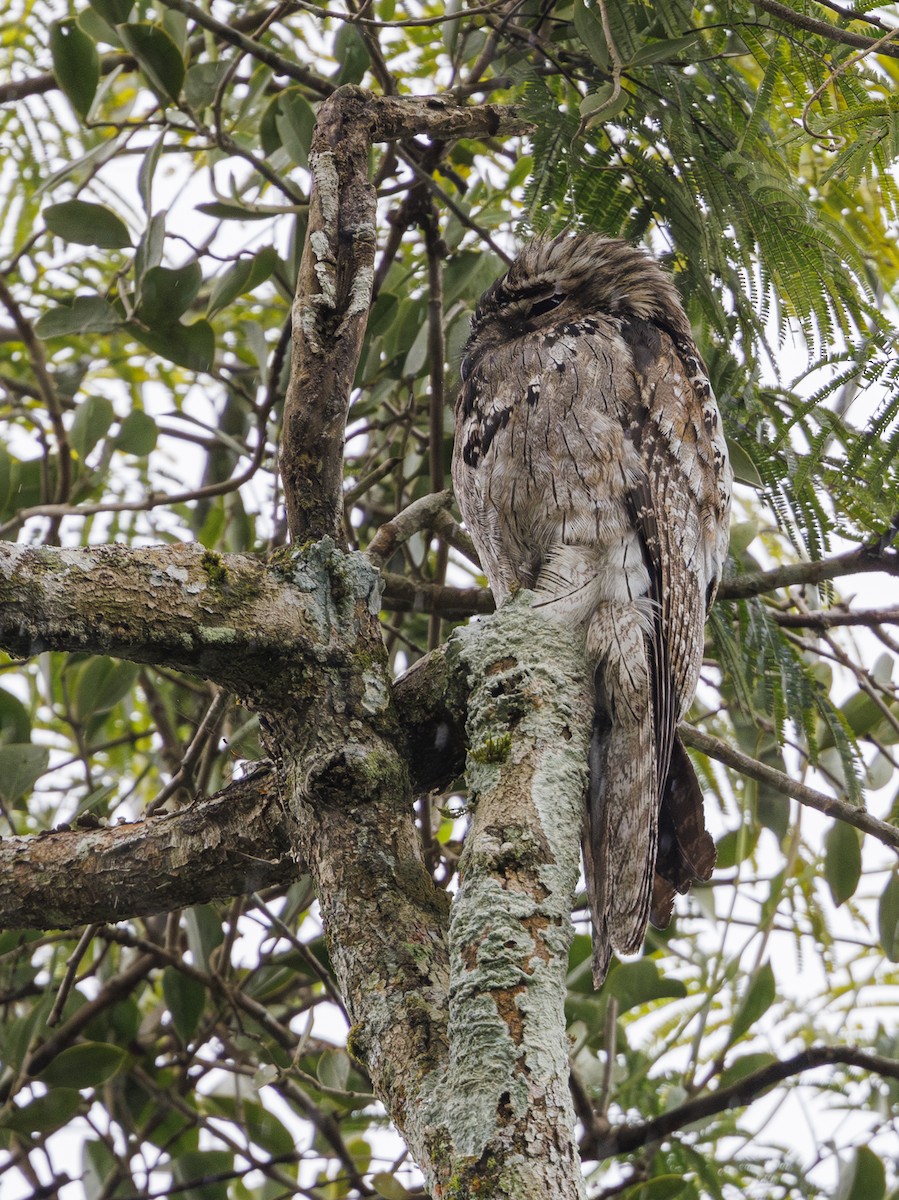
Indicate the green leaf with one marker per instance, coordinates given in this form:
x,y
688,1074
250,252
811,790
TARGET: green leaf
x,y
350,52
137,434
113,12
7,477
295,121
202,82
86,1065
76,64
167,292
604,103
21,763
758,999
842,861
149,251
389,1186
862,1177
45,1113
87,224
243,276
744,469
639,982
888,918
232,212
100,683
15,723
185,998
191,346
93,418
666,51
333,1069
204,933
746,1064
158,57
146,173
589,30
86,314
264,1128
200,1169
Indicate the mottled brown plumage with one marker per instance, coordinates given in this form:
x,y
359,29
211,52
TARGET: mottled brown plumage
x,y
590,466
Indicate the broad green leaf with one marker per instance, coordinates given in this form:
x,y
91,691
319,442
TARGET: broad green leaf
x,y
667,51
204,933
243,276
87,224
664,1187
758,999
7,477
264,1128
842,861
86,314
333,1069
746,1064
202,82
21,763
203,1169
862,1178
295,120
15,723
99,684
43,1114
351,54
185,998
604,103
389,1186
158,57
137,434
589,30
636,983
737,845
114,12
888,918
149,250
745,470
86,1065
76,64
191,346
167,292
93,418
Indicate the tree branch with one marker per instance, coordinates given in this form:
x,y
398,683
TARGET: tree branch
x,y
825,28
820,801
237,841
865,559
627,1138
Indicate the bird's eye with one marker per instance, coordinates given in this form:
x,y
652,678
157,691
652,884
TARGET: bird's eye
x,y
546,305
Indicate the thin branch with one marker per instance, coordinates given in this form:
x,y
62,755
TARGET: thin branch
x,y
824,28
820,801
863,560
421,514
627,1138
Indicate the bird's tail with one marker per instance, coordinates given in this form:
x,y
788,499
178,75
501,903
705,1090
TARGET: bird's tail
x,y
623,805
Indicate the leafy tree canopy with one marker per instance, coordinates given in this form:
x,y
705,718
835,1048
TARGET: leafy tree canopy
x,y
154,200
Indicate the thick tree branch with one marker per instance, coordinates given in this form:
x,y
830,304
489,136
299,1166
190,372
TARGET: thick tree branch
x,y
235,842
229,618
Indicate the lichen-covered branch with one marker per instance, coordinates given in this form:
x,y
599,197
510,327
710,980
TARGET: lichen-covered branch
x,y
229,618
507,1106
235,842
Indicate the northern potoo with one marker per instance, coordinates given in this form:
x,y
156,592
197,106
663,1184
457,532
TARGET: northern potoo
x,y
590,465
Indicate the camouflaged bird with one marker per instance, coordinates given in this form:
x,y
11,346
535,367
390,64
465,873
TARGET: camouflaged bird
x,y
590,466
